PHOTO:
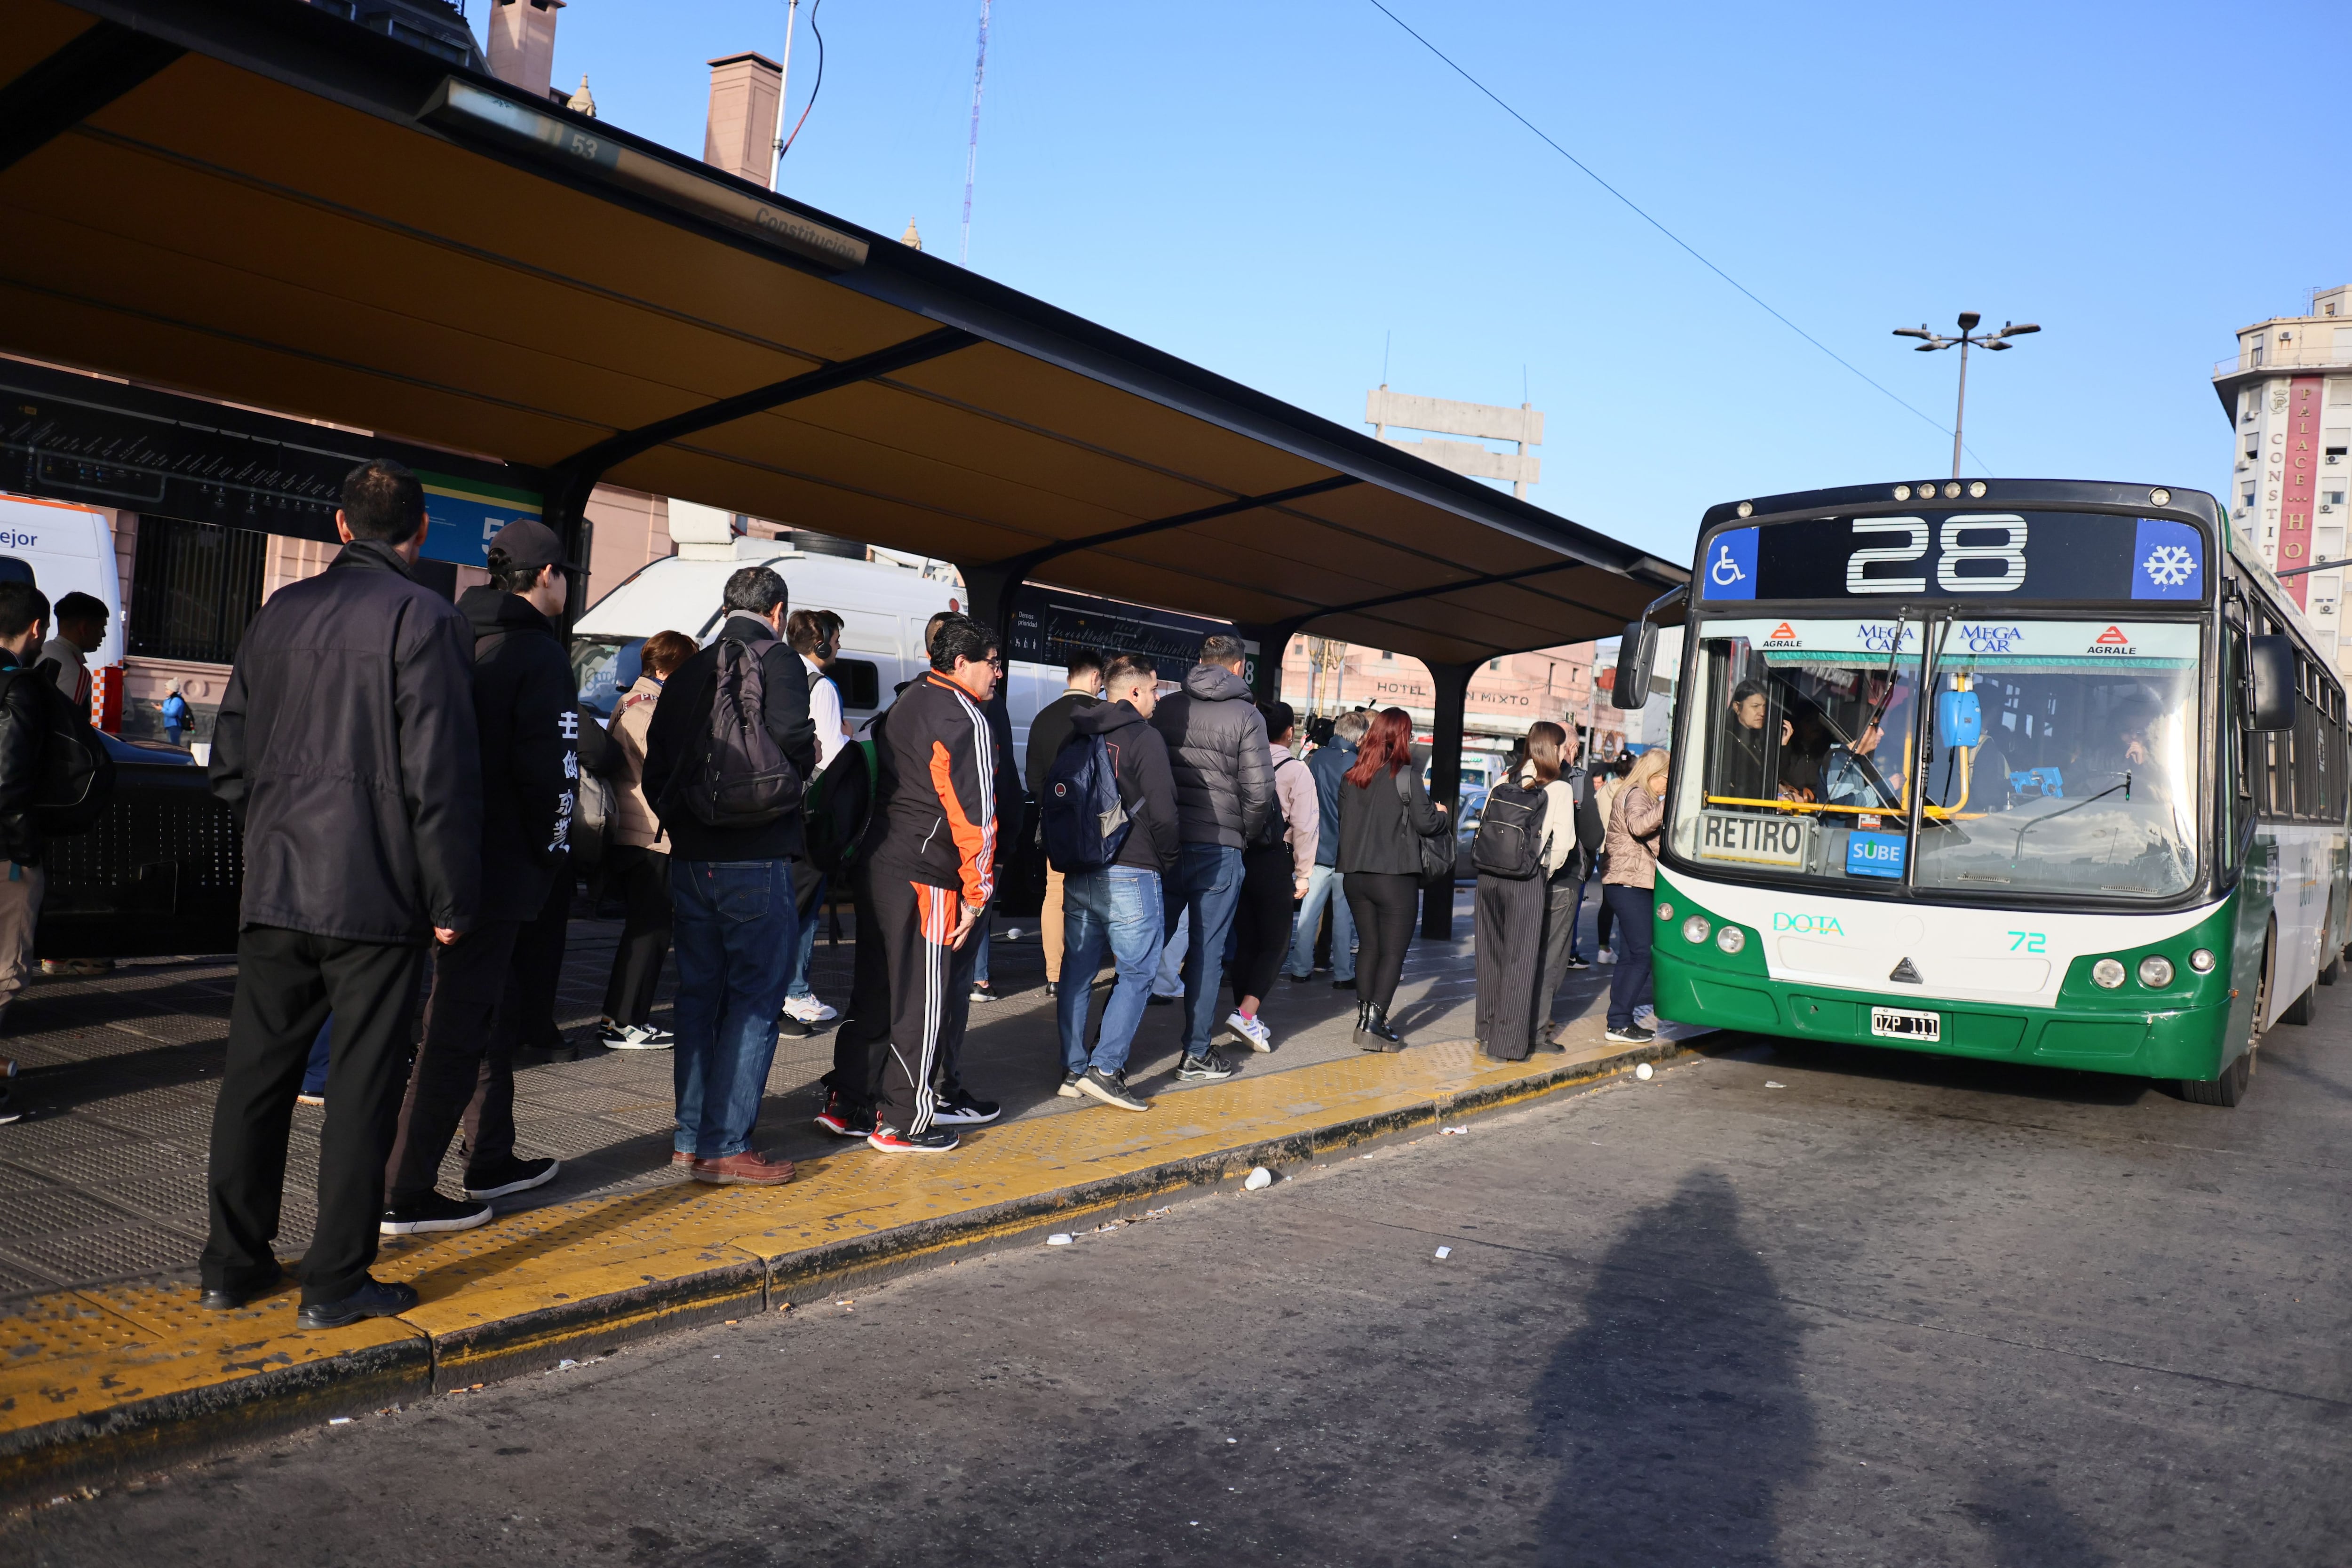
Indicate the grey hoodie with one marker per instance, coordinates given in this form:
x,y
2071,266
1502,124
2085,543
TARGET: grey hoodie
x,y
1217,750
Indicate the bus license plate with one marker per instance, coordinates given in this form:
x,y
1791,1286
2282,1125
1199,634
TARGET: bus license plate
x,y
1752,839
1901,1024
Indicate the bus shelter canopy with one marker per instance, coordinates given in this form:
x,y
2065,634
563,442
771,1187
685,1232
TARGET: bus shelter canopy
x,y
257,202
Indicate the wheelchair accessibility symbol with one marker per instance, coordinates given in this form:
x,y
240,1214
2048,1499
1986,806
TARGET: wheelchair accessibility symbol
x,y
1732,574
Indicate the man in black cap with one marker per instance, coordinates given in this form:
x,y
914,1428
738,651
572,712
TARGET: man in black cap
x,y
465,1067
345,745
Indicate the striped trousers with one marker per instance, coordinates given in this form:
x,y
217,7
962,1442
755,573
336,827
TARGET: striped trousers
x,y
927,1009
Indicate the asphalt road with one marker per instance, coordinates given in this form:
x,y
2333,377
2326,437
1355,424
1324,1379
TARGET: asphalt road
x,y
1783,1305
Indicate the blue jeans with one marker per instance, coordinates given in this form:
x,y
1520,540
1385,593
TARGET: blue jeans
x,y
314,1075
1630,979
980,959
1118,908
804,949
1209,889
732,931
1323,885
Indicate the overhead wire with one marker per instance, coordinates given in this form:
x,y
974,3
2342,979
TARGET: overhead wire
x,y
815,88
1635,208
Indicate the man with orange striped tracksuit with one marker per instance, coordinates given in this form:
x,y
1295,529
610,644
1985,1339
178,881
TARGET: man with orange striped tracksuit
x,y
933,873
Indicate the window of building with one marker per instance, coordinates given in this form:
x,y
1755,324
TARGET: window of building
x,y
193,587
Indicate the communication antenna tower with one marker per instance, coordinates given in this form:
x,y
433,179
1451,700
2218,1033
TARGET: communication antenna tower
x,y
972,150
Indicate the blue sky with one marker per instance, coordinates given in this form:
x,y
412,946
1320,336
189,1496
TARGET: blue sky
x,y
1270,189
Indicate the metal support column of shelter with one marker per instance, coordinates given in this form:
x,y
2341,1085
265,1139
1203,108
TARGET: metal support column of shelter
x,y
1452,700
1273,641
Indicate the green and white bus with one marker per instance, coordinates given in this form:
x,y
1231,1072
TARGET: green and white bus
x,y
2043,770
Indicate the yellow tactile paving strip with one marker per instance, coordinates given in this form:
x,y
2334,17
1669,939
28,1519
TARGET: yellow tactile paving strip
x,y
587,1268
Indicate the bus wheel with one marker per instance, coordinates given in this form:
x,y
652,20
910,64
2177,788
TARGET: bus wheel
x,y
2301,1010
2225,1090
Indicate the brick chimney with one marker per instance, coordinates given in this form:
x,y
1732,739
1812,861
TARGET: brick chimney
x,y
745,94
522,43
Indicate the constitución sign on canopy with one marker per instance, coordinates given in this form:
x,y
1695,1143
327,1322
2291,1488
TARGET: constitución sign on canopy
x,y
2004,556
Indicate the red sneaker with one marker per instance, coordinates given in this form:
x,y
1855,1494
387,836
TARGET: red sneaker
x,y
751,1169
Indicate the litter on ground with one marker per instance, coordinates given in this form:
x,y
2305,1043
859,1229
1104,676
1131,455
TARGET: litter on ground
x,y
1258,1180
1445,1252
1059,1238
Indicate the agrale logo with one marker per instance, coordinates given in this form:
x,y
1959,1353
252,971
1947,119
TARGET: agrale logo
x,y
1783,636
2112,641
1814,925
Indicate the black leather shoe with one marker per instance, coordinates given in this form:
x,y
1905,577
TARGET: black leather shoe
x,y
229,1297
1374,1034
374,1298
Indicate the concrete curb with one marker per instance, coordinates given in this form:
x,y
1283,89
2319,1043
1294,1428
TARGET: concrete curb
x,y
259,1400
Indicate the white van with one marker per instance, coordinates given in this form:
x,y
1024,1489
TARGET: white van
x,y
65,548
883,610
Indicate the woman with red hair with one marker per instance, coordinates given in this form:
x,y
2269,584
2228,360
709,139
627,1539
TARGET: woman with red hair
x,y
1384,812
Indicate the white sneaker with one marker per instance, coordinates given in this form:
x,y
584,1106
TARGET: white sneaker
x,y
634,1037
1250,1032
808,1010
1606,955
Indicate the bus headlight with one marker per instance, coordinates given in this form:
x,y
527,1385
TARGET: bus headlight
x,y
2156,972
1695,928
1731,939
1665,912
2107,973
2202,961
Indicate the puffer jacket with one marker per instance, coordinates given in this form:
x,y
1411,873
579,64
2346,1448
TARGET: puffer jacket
x,y
346,744
634,822
1633,833
1217,752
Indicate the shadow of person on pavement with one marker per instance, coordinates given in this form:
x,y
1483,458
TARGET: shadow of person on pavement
x,y
2027,1527
1674,1415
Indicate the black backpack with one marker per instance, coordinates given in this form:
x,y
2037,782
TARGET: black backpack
x,y
1509,840
841,808
1277,825
744,779
76,770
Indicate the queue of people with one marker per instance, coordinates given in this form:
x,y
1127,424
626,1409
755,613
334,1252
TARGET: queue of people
x,y
404,768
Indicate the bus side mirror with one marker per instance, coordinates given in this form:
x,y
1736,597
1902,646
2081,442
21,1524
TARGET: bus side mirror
x,y
1959,718
1634,656
2270,669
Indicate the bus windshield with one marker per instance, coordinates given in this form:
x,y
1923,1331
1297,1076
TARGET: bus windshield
x,y
2054,756
2083,776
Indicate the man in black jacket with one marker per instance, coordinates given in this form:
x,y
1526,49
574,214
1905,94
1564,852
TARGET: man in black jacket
x,y
1047,731
1121,906
24,618
522,701
732,887
1224,786
346,745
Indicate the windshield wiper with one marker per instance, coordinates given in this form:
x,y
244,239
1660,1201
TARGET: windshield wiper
x,y
2019,848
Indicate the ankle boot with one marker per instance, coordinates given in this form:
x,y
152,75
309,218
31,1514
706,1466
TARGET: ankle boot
x,y
1360,1009
1374,1034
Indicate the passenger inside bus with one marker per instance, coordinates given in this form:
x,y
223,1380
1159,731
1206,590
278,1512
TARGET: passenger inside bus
x,y
1745,761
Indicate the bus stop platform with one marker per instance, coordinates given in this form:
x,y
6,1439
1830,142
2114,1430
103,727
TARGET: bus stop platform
x,y
108,1367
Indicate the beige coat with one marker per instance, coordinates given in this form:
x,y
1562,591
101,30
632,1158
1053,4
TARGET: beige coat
x,y
634,822
1632,845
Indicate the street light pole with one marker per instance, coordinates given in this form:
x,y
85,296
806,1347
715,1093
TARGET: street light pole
x,y
1994,341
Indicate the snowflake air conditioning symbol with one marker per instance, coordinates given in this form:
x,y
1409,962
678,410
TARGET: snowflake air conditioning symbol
x,y
2169,565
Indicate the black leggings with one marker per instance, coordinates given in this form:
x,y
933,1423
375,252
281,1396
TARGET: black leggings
x,y
1261,921
1385,904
